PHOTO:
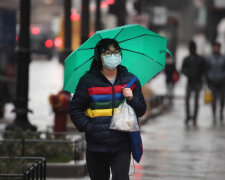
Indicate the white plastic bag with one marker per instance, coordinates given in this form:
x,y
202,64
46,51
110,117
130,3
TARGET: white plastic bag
x,y
124,119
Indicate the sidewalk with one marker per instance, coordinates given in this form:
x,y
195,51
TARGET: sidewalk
x,y
173,151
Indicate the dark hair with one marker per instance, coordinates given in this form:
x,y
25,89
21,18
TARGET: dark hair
x,y
101,47
216,44
192,46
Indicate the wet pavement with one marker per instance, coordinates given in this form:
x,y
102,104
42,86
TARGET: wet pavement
x,y
172,151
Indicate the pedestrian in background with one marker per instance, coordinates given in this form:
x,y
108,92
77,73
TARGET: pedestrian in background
x,y
215,76
98,94
193,68
172,77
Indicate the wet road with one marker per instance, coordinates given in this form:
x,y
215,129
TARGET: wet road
x,y
173,151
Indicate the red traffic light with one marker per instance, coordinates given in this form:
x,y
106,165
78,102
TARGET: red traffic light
x,y
58,42
48,43
35,30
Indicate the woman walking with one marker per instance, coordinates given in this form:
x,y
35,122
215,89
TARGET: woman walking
x,y
98,94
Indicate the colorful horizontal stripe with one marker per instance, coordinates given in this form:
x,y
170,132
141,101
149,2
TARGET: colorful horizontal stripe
x,y
106,90
106,98
101,100
99,112
104,105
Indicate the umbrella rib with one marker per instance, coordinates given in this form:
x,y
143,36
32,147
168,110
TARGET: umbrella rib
x,y
143,55
85,49
83,63
100,36
139,36
118,33
79,67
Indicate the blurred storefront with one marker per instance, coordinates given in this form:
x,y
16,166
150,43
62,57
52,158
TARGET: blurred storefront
x,y
216,14
7,56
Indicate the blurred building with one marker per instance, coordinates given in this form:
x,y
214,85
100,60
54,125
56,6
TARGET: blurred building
x,y
7,53
182,12
180,21
9,4
216,14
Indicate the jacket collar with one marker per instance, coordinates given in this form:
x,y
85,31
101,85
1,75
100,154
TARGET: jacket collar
x,y
121,71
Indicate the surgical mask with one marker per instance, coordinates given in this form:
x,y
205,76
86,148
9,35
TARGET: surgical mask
x,y
111,62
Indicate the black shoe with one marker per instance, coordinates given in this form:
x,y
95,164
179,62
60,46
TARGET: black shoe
x,y
214,121
221,118
187,120
195,122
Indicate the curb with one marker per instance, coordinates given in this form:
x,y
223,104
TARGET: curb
x,y
66,170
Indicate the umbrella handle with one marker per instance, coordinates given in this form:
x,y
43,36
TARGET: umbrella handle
x,y
167,50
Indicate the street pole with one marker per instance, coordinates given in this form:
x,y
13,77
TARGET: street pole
x,y
23,61
67,27
67,33
85,21
210,23
121,13
98,16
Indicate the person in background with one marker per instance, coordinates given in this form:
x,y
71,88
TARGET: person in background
x,y
193,68
215,76
171,78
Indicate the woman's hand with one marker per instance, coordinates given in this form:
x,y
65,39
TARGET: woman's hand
x,y
128,93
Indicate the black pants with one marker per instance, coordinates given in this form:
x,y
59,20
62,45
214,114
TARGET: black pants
x,y
218,92
99,165
196,90
170,92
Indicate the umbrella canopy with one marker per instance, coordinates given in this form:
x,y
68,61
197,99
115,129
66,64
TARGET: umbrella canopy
x,y
143,54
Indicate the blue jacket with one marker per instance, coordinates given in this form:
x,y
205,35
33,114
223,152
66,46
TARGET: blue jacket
x,y
93,105
215,70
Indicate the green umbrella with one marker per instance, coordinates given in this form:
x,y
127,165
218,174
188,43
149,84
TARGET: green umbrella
x,y
143,54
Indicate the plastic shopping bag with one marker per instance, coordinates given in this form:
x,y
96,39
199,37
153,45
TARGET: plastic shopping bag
x,y
124,119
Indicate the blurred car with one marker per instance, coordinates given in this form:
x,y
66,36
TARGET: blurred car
x,y
41,41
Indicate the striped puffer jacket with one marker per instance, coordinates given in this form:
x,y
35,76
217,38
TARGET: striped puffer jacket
x,y
94,104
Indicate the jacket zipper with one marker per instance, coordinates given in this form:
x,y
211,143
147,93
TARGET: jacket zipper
x,y
113,100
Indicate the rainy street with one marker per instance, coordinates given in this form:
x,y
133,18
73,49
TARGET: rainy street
x,y
50,49
175,152
172,151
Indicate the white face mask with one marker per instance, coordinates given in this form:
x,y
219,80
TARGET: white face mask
x,y
111,62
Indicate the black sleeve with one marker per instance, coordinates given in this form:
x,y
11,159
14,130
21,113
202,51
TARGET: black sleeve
x,y
78,106
203,69
138,101
184,69
207,69
223,71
